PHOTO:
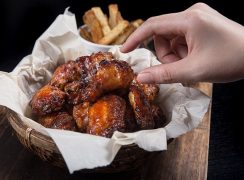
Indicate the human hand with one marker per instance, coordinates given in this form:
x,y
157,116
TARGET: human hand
x,y
198,44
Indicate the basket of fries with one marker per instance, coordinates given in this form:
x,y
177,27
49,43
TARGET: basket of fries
x,y
100,32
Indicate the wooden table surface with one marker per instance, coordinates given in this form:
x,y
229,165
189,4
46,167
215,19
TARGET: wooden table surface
x,y
186,157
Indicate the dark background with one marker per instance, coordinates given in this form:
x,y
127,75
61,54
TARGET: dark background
x,y
22,22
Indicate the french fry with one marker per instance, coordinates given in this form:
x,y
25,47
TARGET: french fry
x,y
137,22
114,33
114,15
85,34
127,32
119,17
91,21
113,9
106,18
108,30
102,20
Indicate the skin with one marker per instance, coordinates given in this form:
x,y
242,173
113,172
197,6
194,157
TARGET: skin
x,y
198,44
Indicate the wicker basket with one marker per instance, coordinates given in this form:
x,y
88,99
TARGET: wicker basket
x,y
128,158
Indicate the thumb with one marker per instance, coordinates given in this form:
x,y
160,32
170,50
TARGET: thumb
x,y
178,71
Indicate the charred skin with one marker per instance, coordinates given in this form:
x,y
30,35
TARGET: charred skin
x,y
84,63
106,116
86,88
150,90
48,99
110,76
74,92
89,64
58,120
158,116
65,73
141,108
79,70
130,121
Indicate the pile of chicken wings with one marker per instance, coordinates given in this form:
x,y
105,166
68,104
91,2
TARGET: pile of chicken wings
x,y
98,95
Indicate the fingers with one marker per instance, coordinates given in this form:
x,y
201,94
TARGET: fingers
x,y
167,24
163,50
178,71
170,50
179,46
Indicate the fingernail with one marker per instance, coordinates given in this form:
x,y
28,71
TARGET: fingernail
x,y
145,77
122,49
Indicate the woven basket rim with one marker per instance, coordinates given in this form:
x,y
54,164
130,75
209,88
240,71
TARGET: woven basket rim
x,y
14,118
129,157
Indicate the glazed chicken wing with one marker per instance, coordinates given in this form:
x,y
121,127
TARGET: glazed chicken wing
x,y
58,120
141,97
47,99
141,108
111,75
81,116
106,116
65,73
89,64
81,69
114,75
150,90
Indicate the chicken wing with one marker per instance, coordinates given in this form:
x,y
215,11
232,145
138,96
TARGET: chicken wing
x,y
88,68
106,116
65,73
58,120
141,108
150,90
111,75
46,100
89,64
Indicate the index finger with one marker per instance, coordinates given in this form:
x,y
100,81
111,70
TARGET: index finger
x,y
168,24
